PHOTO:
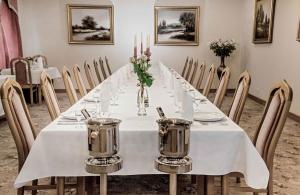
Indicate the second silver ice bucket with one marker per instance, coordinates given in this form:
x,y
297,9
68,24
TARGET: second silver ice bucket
x,y
174,137
103,137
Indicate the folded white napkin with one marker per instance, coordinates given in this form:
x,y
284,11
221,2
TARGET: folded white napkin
x,y
39,63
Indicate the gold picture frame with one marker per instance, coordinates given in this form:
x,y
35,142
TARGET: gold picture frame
x,y
264,12
90,24
298,34
169,26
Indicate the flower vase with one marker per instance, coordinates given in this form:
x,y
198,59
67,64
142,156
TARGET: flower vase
x,y
221,67
142,101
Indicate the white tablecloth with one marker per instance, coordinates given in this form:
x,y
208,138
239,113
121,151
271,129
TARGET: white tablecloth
x,y
216,149
2,79
36,73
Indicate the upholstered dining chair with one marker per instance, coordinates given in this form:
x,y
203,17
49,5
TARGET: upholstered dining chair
x,y
187,76
89,75
20,67
268,133
221,91
209,81
101,63
50,96
44,60
201,75
194,72
71,92
79,80
108,66
24,134
185,67
239,97
97,70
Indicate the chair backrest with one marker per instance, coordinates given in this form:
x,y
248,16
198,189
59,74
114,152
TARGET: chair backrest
x,y
18,118
273,120
201,75
240,96
79,80
185,67
50,96
44,59
194,72
21,68
108,66
221,91
209,81
187,76
97,70
71,92
102,68
89,76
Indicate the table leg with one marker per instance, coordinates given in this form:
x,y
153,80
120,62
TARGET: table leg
x,y
103,184
173,184
60,186
80,185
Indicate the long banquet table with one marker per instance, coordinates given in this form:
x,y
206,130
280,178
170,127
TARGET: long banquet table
x,y
216,148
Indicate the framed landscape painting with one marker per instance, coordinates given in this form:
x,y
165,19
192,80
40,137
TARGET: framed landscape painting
x,y
90,24
298,34
177,25
263,21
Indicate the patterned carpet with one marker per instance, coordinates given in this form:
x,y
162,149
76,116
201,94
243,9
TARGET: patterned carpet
x,y
286,163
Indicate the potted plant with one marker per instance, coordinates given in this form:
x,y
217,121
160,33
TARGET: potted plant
x,y
222,49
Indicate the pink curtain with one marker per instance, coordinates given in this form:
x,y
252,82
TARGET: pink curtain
x,y
10,39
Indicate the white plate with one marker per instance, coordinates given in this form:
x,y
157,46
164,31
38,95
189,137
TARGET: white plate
x,y
208,116
70,116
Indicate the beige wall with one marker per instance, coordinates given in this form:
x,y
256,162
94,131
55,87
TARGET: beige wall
x,y
269,63
44,30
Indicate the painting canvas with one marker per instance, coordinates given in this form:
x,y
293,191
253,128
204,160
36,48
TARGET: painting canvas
x,y
90,24
263,21
177,25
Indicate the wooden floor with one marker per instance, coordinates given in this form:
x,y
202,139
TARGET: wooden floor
x,y
286,163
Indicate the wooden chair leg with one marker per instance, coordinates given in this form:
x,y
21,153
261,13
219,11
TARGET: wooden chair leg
x,y
80,185
224,185
210,188
34,183
270,185
200,180
60,186
20,191
52,180
194,179
31,95
39,94
90,185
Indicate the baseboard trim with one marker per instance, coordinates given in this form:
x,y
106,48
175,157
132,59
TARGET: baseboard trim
x,y
291,115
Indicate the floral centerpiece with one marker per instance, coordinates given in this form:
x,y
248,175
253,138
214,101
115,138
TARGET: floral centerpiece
x,y
222,49
141,66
